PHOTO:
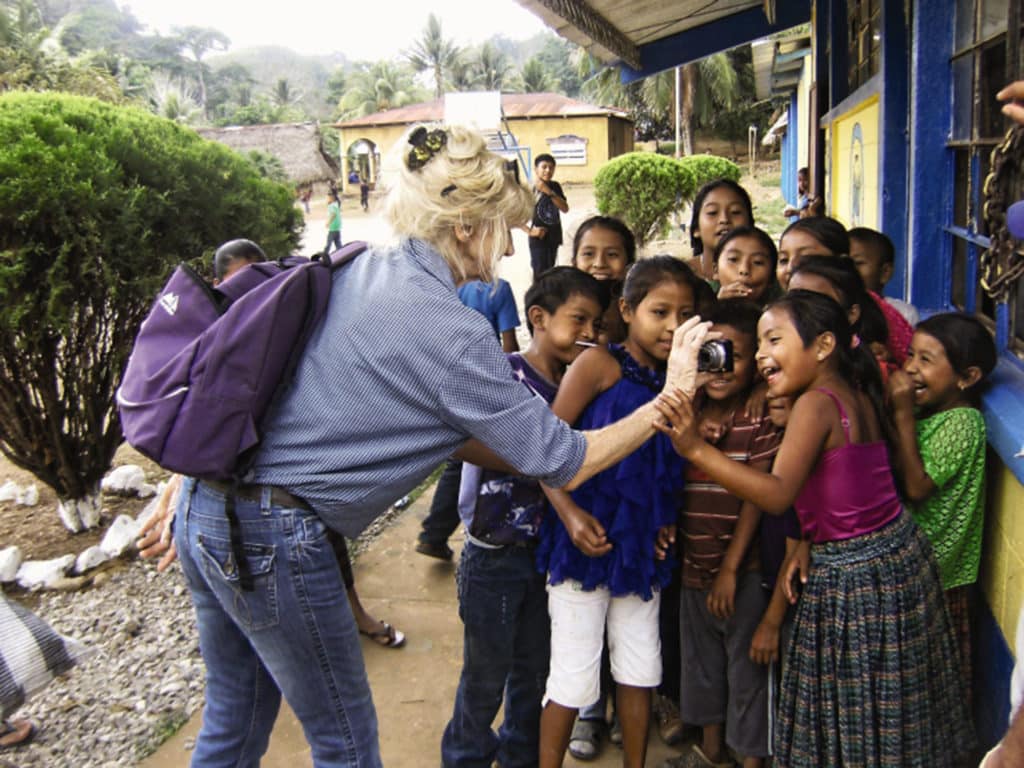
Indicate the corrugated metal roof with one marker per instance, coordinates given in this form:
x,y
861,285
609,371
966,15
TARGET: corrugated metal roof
x,y
514,106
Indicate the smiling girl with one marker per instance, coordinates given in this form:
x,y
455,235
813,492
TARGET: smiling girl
x,y
719,206
940,455
873,673
602,571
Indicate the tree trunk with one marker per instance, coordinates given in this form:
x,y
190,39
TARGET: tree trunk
x,y
689,88
82,513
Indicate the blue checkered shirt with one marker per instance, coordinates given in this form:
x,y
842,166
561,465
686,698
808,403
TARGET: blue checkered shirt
x,y
397,376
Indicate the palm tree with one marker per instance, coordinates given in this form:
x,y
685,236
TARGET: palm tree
x,y
432,52
708,86
535,77
196,42
461,76
283,95
491,68
382,86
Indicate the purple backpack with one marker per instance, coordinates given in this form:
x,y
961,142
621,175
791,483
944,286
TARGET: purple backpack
x,y
208,362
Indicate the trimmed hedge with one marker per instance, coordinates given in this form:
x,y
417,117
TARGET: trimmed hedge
x,y
98,203
705,168
643,189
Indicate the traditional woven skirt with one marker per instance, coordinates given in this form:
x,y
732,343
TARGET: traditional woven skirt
x,y
873,673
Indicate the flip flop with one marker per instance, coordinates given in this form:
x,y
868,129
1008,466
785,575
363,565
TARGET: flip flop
x,y
387,636
16,733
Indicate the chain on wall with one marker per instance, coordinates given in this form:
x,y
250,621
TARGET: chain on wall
x,y
1003,263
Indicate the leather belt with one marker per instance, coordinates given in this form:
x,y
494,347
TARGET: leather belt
x,y
279,497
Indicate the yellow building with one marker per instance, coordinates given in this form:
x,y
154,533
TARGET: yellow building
x,y
581,137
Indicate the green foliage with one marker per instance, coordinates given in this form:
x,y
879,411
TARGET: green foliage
x,y
705,168
378,87
98,203
268,166
535,77
434,53
643,189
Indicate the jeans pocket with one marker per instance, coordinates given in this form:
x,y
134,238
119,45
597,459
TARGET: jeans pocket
x,y
254,608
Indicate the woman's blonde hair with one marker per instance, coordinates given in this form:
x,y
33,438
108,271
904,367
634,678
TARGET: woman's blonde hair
x,y
464,185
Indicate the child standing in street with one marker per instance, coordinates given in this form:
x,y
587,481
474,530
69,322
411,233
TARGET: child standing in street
x,y
602,570
722,689
333,223
940,455
546,225
872,677
502,601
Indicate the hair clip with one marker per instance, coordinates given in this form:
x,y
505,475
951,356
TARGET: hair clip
x,y
425,144
448,190
512,166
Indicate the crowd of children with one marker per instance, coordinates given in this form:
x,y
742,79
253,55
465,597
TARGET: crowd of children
x,y
794,552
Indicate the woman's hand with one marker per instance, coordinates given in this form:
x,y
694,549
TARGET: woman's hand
x,y
764,645
155,536
722,596
664,542
799,563
586,533
681,372
681,423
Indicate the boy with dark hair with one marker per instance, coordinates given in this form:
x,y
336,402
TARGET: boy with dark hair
x,y
502,596
232,256
546,225
875,256
722,602
794,212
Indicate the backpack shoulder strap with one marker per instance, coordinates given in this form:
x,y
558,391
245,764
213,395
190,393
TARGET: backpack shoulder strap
x,y
347,253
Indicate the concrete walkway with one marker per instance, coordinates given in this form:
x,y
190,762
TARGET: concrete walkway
x,y
413,687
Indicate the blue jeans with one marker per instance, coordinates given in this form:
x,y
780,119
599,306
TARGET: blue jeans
x,y
293,633
333,238
506,647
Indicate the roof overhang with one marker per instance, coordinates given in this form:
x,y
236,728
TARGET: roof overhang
x,y
650,36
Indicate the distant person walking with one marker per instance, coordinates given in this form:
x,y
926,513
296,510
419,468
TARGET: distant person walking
x,y
333,223
364,192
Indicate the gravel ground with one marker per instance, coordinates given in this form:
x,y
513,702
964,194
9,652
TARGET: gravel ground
x,y
144,680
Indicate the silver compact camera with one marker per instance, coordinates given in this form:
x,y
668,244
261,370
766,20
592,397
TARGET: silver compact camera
x,y
715,356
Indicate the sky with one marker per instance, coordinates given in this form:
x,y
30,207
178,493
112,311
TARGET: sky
x,y
369,30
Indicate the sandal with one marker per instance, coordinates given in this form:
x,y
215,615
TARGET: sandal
x,y
387,636
695,758
16,733
585,741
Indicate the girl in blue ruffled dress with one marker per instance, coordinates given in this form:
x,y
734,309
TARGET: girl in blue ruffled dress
x,y
600,552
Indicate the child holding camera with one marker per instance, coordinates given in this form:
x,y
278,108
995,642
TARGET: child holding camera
x,y
722,689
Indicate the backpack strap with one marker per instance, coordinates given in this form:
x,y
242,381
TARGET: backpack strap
x,y
346,253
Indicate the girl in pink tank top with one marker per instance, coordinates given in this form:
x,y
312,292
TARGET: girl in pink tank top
x,y
871,671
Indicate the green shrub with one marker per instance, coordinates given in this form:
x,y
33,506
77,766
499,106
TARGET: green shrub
x,y
705,168
97,205
643,189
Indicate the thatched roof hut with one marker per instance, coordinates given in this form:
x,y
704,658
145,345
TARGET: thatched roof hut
x,y
296,145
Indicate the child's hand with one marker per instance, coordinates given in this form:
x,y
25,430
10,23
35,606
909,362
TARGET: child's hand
x,y
756,401
681,426
901,391
586,533
764,645
722,597
664,542
798,563
734,290
538,232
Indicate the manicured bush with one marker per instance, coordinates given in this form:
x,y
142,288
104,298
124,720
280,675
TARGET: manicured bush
x,y
705,168
643,189
98,203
